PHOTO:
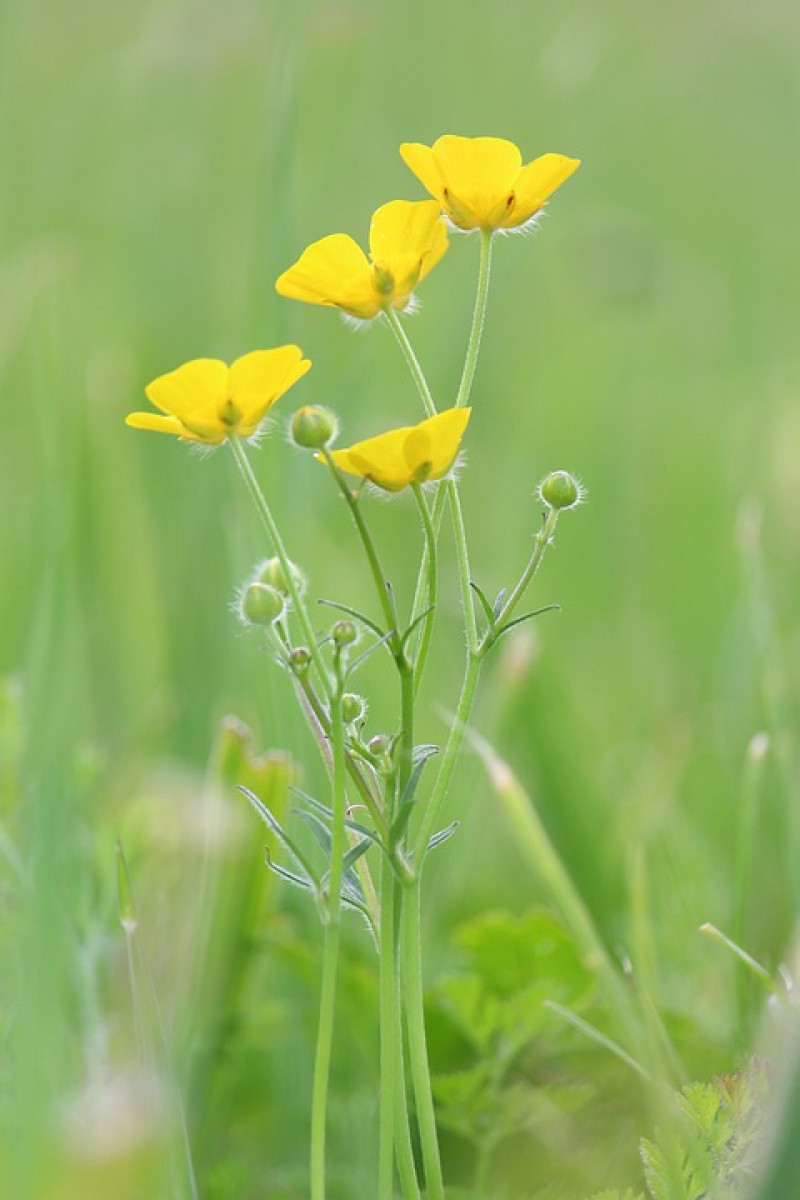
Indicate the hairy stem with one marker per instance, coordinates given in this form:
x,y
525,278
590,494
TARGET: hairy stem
x,y
263,509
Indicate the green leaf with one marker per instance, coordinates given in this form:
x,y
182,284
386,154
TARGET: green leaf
x,y
326,814
288,876
498,633
485,605
499,601
414,624
443,835
355,614
617,1195
424,751
365,654
400,823
510,953
289,845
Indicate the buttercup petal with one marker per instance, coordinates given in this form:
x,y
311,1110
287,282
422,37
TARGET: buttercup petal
x,y
436,441
403,227
407,238
412,453
156,422
333,271
479,175
420,160
537,181
196,387
260,378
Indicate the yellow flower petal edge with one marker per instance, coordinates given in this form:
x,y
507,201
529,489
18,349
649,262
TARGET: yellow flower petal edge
x,y
410,454
481,183
206,400
407,240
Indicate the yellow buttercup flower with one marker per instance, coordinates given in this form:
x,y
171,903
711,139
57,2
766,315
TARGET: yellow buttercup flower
x,y
205,400
411,454
406,241
481,182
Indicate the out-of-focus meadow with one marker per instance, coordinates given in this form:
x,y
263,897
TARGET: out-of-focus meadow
x,y
161,164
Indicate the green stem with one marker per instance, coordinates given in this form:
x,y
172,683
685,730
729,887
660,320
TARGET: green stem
x,y
449,757
364,790
429,559
462,558
330,957
388,1033
379,578
542,540
396,326
271,527
406,1166
478,319
417,1044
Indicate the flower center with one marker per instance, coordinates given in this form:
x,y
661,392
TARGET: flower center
x,y
229,412
382,279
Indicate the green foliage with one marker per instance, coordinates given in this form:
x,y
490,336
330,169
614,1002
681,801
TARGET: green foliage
x,y
510,967
713,1142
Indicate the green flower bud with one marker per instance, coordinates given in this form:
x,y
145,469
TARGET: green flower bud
x,y
379,745
271,572
344,633
313,427
353,708
299,659
261,604
560,490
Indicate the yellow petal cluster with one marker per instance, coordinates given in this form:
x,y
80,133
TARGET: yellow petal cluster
x,y
411,454
406,241
206,400
481,183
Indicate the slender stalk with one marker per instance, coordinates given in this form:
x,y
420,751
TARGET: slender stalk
x,y
542,540
404,1154
449,757
330,957
417,1043
462,558
396,326
243,463
320,716
379,578
429,562
478,319
388,1033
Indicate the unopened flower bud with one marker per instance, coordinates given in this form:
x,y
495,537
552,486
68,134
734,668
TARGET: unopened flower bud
x,y
299,659
344,633
560,490
271,572
379,745
313,427
353,708
261,604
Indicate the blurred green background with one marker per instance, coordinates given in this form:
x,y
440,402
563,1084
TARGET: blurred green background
x,y
161,164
